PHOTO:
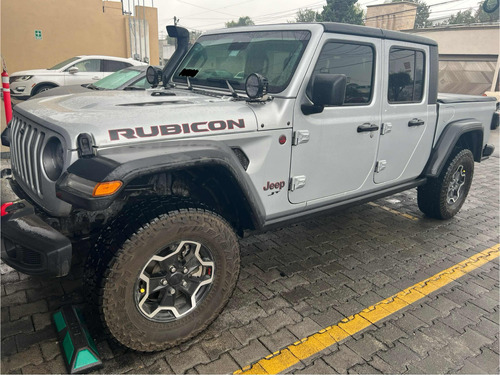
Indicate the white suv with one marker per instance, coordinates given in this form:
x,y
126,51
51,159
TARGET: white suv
x,y
76,70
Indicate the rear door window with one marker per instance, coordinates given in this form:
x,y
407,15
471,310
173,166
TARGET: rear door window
x,y
406,75
113,66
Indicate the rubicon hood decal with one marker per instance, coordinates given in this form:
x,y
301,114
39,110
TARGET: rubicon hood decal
x,y
173,129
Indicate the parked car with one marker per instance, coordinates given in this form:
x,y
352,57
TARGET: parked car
x,y
132,78
76,70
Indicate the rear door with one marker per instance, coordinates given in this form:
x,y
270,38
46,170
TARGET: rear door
x,y
407,118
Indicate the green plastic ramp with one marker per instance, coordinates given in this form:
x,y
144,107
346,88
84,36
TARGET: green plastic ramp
x,y
78,348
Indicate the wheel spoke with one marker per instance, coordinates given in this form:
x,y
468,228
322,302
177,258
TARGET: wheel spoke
x,y
168,299
180,274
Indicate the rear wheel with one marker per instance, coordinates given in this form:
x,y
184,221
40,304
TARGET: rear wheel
x,y
169,280
442,197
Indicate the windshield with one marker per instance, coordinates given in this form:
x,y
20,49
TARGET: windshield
x,y
233,57
64,63
116,79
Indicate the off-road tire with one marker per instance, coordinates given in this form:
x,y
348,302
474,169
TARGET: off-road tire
x,y
111,275
432,197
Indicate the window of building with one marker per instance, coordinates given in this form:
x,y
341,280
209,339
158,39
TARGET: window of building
x,y
406,76
356,61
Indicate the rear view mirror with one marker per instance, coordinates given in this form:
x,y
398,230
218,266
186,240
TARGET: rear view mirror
x,y
326,90
73,70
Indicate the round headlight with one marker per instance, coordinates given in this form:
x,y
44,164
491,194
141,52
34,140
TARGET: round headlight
x,y
53,158
256,86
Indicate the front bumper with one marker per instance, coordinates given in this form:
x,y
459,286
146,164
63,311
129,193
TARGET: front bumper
x,y
30,245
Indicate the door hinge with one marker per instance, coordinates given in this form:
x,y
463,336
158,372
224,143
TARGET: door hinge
x,y
297,182
380,166
386,128
300,136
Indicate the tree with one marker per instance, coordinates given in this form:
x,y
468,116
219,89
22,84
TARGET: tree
x,y
345,11
307,15
462,18
469,16
481,16
422,18
243,21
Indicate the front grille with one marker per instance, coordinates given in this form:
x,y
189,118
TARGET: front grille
x,y
26,152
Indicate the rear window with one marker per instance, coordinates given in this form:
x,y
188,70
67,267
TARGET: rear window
x,y
406,75
113,66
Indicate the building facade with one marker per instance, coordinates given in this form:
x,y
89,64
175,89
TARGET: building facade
x,y
39,34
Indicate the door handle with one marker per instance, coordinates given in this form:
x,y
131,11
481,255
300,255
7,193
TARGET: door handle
x,y
416,122
367,127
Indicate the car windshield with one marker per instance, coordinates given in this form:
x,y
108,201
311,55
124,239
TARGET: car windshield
x,y
64,63
116,79
234,56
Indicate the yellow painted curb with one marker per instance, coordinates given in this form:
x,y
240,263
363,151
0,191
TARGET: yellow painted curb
x,y
285,358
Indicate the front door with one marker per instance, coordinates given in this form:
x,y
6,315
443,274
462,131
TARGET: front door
x,y
336,149
88,71
407,120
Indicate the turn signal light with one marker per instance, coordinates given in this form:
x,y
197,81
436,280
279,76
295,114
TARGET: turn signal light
x,y
106,188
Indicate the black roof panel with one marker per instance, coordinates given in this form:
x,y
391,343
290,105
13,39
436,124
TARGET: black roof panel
x,y
342,28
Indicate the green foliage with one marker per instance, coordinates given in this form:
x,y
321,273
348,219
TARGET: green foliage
x,y
307,15
345,11
469,16
422,18
462,18
243,21
481,16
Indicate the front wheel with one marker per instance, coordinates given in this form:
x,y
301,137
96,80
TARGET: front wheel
x,y
170,280
442,197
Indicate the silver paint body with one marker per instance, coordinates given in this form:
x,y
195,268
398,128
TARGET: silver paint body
x,y
337,162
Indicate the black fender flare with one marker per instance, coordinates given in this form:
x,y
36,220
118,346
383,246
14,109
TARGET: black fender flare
x,y
447,141
129,162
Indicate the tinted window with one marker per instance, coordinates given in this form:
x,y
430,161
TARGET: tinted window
x,y
88,66
113,66
406,75
353,60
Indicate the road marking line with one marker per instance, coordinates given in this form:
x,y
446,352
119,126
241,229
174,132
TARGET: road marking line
x,y
408,216
281,360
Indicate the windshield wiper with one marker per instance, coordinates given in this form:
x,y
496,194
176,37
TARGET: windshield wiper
x,y
94,87
133,88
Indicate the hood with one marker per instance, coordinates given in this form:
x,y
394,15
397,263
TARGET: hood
x,y
37,72
123,117
62,90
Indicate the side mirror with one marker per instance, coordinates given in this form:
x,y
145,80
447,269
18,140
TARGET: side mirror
x,y
73,70
326,90
329,89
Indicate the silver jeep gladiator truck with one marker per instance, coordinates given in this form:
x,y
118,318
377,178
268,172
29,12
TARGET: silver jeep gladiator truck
x,y
253,127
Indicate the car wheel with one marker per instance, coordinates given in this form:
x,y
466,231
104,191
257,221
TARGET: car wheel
x,y
444,196
169,280
42,88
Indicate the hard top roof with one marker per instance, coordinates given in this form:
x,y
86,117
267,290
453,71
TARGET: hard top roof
x,y
343,28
